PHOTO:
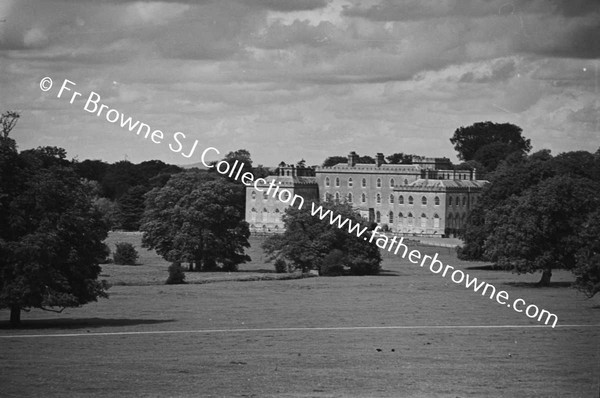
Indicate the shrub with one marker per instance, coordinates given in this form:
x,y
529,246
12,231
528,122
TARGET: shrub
x,y
281,266
362,265
333,263
176,274
125,254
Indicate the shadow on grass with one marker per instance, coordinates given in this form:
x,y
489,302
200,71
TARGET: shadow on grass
x,y
489,267
385,272
536,284
80,323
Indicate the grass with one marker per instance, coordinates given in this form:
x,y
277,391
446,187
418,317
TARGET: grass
x,y
241,361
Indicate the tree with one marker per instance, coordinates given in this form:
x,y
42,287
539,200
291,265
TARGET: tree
x,y
400,158
587,268
119,177
333,160
125,254
130,208
51,236
539,230
309,241
198,218
512,178
489,142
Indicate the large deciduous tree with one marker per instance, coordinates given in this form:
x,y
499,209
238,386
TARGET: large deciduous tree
x,y
50,233
308,240
540,230
533,214
587,268
198,218
489,143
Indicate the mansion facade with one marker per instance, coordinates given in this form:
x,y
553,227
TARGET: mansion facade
x,y
426,197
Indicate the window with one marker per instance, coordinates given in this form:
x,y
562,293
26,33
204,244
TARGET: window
x,y
410,200
379,183
401,199
337,181
378,198
265,196
464,200
350,199
253,195
424,201
405,181
363,198
350,182
449,200
392,183
326,181
423,220
400,218
410,219
391,217
391,198
436,201
265,210
253,210
436,221
327,197
285,196
378,217
337,196
364,182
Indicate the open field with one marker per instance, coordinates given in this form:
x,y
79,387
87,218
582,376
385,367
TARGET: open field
x,y
406,333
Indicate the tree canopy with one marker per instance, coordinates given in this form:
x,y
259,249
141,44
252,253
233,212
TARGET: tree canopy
x,y
198,218
308,240
531,216
489,143
51,236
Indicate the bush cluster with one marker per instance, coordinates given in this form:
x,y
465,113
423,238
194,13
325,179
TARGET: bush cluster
x,y
176,274
125,254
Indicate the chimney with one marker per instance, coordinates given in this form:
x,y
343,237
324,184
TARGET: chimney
x,y
352,159
379,159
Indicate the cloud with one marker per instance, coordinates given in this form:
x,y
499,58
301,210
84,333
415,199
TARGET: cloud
x,y
289,79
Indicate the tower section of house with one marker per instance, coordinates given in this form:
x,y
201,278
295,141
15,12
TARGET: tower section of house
x,y
267,200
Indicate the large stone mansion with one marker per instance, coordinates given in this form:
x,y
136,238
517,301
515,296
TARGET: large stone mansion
x,y
426,197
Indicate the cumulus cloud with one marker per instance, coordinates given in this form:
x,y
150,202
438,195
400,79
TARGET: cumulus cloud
x,y
303,78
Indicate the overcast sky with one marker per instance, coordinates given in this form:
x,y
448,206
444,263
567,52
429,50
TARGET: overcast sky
x,y
291,79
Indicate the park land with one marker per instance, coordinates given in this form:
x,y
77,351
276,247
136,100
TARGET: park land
x,y
418,361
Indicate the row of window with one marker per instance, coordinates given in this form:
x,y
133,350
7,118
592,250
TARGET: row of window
x,y
284,195
363,182
452,221
391,199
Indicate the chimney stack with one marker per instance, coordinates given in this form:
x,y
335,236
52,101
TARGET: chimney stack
x,y
352,159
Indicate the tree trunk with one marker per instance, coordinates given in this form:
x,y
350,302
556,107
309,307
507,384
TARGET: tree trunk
x,y
191,266
15,315
546,275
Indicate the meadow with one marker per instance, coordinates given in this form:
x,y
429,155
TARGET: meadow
x,y
404,333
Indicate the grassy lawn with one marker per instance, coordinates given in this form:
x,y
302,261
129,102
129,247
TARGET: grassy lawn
x,y
312,337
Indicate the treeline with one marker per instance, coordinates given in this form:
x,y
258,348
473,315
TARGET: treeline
x,y
120,187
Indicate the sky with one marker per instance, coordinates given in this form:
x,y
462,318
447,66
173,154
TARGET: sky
x,y
298,79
